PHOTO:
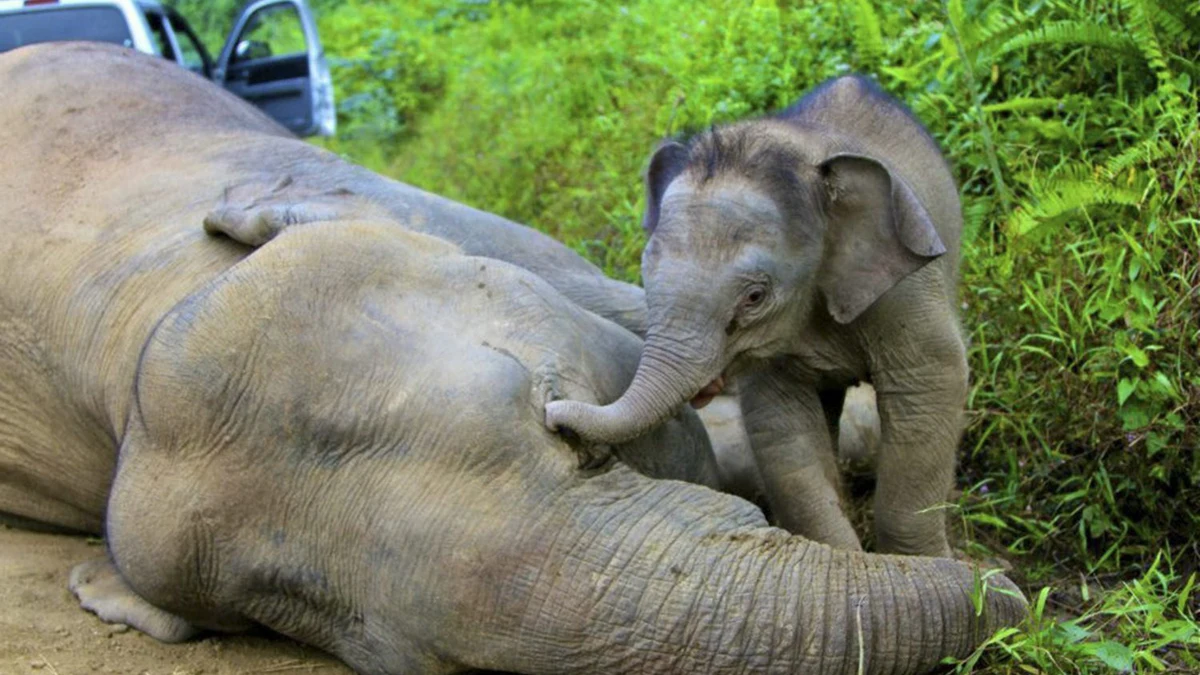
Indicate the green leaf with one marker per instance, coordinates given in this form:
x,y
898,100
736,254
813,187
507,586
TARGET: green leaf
x,y
1024,104
1137,355
1155,442
988,520
1134,417
1143,295
1125,389
1073,632
1175,631
1186,593
1039,606
1113,654
1164,384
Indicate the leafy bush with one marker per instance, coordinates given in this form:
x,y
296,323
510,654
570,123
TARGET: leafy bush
x,y
387,66
549,109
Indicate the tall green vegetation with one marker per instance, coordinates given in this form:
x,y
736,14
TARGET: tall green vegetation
x,y
1072,128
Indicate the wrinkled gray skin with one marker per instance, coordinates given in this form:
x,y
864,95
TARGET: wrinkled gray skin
x,y
339,435
857,441
806,252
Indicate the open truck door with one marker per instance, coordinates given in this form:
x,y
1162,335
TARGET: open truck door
x,y
273,59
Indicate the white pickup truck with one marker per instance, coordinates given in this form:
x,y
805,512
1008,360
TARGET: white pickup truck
x,y
272,58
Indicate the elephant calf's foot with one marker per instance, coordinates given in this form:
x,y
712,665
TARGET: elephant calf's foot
x,y
921,533
101,590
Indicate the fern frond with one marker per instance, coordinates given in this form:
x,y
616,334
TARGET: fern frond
x,y
1149,150
1069,172
1145,37
996,28
1181,63
975,214
1172,16
1071,33
1057,198
868,37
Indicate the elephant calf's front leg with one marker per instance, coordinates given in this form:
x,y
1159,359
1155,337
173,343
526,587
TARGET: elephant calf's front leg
x,y
920,399
794,450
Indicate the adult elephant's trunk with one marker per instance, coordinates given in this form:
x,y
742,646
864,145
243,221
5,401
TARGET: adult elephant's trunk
x,y
671,372
641,576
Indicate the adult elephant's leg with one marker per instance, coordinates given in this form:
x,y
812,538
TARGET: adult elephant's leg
x,y
858,428
790,437
101,589
739,474
165,519
921,392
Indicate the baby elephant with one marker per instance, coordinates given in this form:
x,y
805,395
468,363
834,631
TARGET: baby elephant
x,y
802,253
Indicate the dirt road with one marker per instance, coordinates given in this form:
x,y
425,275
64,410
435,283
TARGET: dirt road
x,y
44,632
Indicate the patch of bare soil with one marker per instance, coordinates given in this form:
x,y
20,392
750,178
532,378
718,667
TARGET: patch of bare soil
x,y
43,631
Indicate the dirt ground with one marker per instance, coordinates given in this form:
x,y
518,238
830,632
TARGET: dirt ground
x,y
43,631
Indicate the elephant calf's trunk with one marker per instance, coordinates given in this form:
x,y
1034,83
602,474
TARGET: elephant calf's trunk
x,y
662,383
596,423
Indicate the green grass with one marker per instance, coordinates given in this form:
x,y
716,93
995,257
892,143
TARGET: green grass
x,y
1071,126
1145,624
1083,619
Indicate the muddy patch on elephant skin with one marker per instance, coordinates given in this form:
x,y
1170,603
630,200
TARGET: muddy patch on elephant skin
x,y
43,631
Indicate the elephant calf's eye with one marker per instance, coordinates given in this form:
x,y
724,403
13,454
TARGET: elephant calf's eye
x,y
754,297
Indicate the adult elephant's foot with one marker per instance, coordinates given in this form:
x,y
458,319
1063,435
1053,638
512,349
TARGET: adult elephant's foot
x,y
101,590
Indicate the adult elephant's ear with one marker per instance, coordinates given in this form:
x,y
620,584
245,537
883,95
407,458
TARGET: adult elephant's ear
x,y
878,233
253,213
667,162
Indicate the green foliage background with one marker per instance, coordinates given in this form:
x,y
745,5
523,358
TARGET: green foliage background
x,y
1072,127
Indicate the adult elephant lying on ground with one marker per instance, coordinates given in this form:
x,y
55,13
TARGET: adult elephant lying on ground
x,y
339,435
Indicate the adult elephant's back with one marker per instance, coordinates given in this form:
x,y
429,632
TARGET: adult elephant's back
x,y
101,200
98,104
111,163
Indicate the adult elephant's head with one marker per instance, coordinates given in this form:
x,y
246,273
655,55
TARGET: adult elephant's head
x,y
752,228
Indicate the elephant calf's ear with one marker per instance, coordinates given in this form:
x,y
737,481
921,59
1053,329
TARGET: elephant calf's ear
x,y
665,166
878,234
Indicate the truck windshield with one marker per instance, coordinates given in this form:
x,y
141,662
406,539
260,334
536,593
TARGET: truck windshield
x,y
99,24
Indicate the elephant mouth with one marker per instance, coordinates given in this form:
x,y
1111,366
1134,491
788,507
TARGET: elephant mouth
x,y
709,392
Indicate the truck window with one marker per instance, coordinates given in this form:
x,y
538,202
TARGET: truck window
x,y
194,55
272,32
160,36
99,24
